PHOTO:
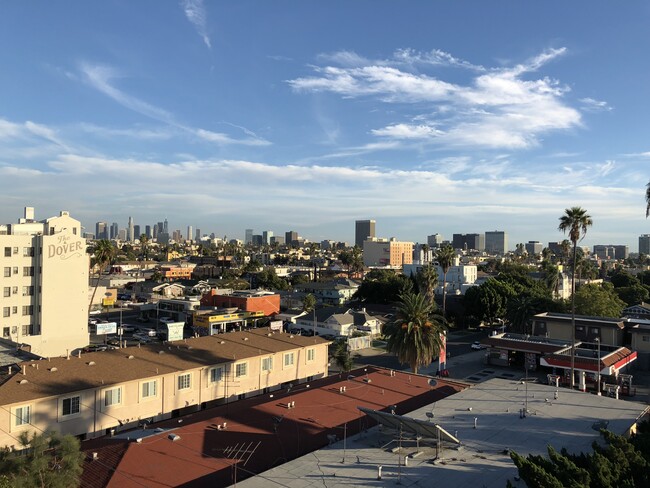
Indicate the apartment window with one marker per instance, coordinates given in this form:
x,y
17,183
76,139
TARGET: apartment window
x,y
149,389
27,328
28,291
6,292
7,252
643,338
7,271
113,397
241,370
28,310
28,270
23,415
6,311
28,252
288,359
14,309
184,381
15,290
5,333
216,374
15,270
16,250
267,364
70,406
311,354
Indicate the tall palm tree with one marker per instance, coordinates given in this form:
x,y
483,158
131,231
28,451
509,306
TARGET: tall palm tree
x,y
445,256
427,279
416,333
647,199
425,251
104,253
575,221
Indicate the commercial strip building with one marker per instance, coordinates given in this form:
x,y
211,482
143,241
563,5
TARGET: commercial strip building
x,y
263,301
101,393
44,284
478,426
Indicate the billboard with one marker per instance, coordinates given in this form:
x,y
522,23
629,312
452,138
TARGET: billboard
x,y
276,325
104,328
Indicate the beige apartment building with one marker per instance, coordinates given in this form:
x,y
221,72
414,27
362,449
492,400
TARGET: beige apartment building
x,y
385,252
44,284
99,393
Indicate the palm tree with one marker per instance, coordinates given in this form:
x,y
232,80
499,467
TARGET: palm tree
x,y
445,257
416,333
427,280
575,221
647,199
425,251
104,253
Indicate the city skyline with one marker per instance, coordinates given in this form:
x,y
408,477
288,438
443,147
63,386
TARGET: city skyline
x,y
445,118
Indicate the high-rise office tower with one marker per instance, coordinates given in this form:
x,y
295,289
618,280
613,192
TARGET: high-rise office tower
x,y
147,231
101,230
290,237
533,248
136,232
266,236
496,242
190,231
129,231
114,230
644,244
248,236
363,229
166,227
434,240
198,235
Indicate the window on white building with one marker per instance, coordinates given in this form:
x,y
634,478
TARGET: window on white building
x,y
267,364
22,415
241,370
184,381
149,389
216,374
113,397
70,406
288,359
311,354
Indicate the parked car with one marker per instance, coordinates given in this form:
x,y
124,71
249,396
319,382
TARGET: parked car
x,y
295,331
148,332
127,328
476,345
95,348
140,337
166,319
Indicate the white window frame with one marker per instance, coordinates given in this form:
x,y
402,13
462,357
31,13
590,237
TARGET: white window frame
x,y
151,385
216,374
71,413
184,381
311,354
238,369
20,419
288,360
267,364
113,396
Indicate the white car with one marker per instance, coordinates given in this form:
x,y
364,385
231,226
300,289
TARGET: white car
x,y
148,332
477,346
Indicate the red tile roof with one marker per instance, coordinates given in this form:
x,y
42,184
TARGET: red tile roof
x,y
261,431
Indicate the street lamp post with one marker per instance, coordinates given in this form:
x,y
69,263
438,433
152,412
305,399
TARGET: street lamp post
x,y
598,367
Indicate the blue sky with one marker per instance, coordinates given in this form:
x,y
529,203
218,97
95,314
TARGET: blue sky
x,y
425,116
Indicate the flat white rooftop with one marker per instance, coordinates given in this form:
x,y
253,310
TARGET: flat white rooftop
x,y
572,421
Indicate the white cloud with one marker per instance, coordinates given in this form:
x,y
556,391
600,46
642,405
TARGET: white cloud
x,y
497,108
593,105
196,14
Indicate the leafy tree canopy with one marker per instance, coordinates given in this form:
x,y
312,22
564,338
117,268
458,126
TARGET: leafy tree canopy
x,y
634,294
622,278
621,462
383,286
598,301
47,460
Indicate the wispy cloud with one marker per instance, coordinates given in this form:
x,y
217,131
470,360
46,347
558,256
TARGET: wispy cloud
x,y
592,105
102,78
196,14
496,108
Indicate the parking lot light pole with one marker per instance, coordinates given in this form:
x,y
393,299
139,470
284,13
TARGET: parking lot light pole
x,y
598,367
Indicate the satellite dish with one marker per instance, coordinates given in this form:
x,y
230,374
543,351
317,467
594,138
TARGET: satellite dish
x,y
429,415
433,383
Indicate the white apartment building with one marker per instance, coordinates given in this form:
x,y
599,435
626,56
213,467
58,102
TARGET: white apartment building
x,y
460,277
44,283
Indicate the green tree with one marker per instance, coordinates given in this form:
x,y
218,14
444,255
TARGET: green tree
x,y
489,301
383,286
445,257
48,460
415,335
575,221
598,301
633,295
427,279
622,278
309,302
103,254
342,356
